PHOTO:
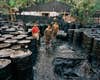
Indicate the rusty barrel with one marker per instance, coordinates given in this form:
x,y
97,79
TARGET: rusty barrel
x,y
5,70
22,65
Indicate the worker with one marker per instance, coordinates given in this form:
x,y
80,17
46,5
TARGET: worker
x,y
36,32
55,29
48,36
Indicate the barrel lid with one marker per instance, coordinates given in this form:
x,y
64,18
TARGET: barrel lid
x,y
10,41
29,30
94,35
2,39
15,47
20,54
24,41
17,38
15,26
98,39
11,29
4,45
5,26
6,52
29,24
7,36
14,33
29,38
3,21
4,63
0,29
20,37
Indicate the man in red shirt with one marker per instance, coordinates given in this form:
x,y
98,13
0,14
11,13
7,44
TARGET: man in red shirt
x,y
35,31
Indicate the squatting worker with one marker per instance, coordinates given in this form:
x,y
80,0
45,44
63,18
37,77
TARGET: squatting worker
x,y
35,31
55,29
48,35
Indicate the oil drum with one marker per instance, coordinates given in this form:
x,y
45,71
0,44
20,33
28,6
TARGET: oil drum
x,y
22,65
5,69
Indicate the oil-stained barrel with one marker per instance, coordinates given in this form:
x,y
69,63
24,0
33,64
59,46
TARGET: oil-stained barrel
x,y
29,38
7,36
14,33
62,35
87,42
11,29
10,41
1,39
5,53
96,47
33,48
70,36
4,45
19,37
22,62
5,69
16,47
24,43
77,39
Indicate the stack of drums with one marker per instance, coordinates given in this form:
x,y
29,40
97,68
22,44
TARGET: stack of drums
x,y
5,69
14,45
77,39
87,43
22,65
96,47
70,36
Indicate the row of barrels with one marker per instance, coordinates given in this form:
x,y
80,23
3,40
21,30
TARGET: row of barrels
x,y
78,68
87,42
17,49
14,36
75,38
91,42
17,67
85,39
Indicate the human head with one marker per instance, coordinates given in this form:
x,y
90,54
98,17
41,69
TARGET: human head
x,y
35,24
55,23
49,26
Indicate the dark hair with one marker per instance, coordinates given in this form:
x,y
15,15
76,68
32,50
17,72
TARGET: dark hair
x,y
49,24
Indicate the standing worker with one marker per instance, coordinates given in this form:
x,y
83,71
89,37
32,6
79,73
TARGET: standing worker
x,y
36,32
48,36
55,28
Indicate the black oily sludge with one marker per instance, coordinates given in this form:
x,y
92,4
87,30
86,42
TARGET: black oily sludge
x,y
74,69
